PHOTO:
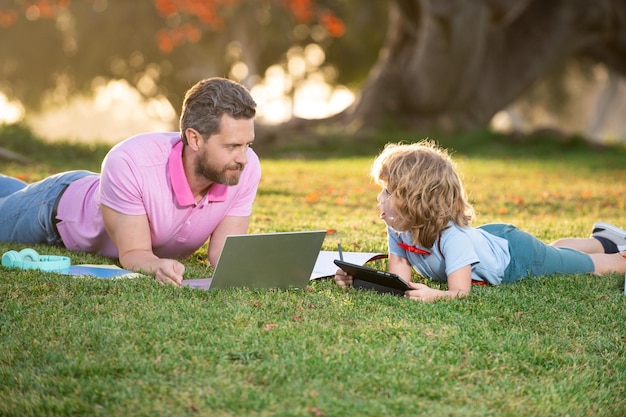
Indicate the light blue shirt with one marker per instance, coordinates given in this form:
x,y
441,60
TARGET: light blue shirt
x,y
455,248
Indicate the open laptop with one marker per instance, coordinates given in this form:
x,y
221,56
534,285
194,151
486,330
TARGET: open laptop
x,y
267,260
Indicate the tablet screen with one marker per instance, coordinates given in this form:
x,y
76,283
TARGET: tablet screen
x,y
373,279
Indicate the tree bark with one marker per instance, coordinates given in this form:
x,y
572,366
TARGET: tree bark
x,y
452,64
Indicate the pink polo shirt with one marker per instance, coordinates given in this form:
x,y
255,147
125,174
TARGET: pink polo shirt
x,y
144,175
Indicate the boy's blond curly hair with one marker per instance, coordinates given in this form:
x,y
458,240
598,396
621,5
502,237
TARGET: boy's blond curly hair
x,y
424,188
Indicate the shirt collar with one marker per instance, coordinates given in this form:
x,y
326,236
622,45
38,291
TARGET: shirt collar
x,y
180,185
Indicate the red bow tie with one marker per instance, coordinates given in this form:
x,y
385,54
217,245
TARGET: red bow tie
x,y
413,249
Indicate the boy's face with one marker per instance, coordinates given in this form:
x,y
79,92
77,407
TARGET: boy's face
x,y
388,213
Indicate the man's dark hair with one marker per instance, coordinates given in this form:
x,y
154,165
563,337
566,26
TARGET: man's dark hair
x,y
208,100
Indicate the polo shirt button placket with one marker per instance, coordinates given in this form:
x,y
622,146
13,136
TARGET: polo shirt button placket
x,y
185,230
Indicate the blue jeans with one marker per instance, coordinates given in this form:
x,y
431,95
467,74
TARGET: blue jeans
x,y
26,209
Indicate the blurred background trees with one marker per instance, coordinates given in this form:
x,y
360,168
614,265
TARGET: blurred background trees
x,y
161,47
413,64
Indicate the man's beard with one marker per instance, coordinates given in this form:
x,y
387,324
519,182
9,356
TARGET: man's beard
x,y
224,176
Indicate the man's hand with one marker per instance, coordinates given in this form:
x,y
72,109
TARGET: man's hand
x,y
169,271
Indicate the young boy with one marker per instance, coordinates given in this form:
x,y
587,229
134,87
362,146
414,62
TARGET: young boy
x,y
428,217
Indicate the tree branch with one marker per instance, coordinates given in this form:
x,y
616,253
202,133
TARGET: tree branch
x,y
12,156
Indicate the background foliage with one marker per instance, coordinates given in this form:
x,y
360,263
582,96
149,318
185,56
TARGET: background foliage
x,y
163,46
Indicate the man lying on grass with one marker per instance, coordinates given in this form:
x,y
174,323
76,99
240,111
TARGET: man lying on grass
x,y
428,217
160,195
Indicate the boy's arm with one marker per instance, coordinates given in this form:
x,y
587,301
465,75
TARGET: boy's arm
x,y
459,285
460,282
400,266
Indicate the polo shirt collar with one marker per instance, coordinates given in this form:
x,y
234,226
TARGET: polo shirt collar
x,y
180,185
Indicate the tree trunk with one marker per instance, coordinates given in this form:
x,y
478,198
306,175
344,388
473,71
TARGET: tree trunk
x,y
452,64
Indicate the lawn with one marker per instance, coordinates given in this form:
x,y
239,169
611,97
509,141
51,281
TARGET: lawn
x,y
550,346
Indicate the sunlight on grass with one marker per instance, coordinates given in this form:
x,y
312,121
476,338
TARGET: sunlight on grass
x,y
551,200
544,346
337,197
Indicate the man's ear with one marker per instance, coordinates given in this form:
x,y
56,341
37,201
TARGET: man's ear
x,y
193,138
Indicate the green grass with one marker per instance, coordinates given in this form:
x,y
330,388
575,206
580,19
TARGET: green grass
x,y
542,347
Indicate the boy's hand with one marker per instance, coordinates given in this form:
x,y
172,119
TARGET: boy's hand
x,y
343,279
421,292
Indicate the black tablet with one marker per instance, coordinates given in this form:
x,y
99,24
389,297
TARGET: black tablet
x,y
373,279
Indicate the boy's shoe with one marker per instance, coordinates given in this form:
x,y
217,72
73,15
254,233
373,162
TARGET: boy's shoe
x,y
612,233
